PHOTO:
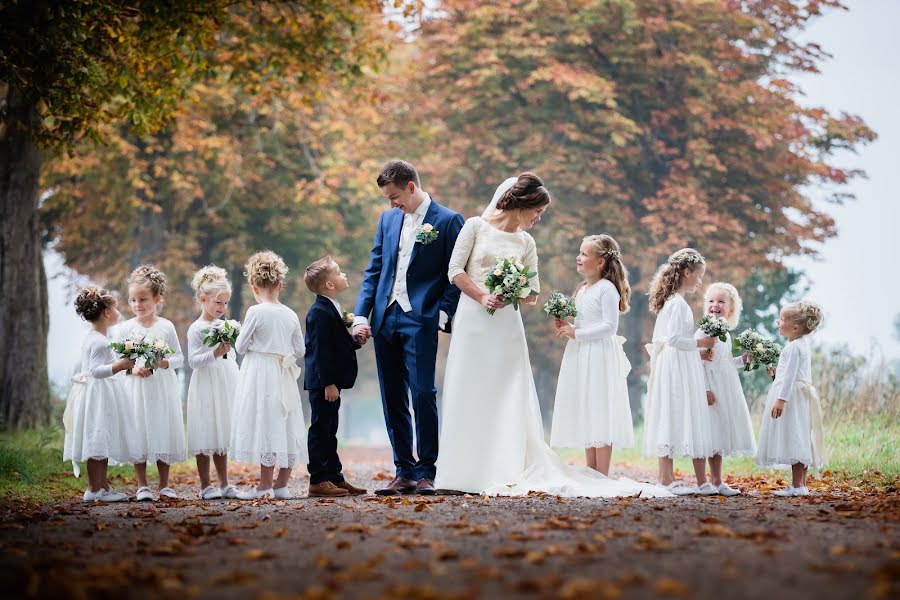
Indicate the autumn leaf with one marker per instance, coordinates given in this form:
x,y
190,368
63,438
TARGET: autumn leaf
x,y
666,586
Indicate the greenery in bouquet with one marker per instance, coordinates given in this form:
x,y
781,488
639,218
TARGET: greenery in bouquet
x,y
510,279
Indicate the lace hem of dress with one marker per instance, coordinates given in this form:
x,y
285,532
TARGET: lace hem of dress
x,y
268,459
667,451
163,457
732,453
774,462
208,451
598,444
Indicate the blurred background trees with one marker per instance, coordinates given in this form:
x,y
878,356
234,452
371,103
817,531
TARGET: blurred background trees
x,y
664,124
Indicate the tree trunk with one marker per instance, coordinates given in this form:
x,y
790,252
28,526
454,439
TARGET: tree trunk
x,y
24,320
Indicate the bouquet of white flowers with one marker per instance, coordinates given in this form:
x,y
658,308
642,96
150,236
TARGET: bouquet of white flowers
x,y
221,331
763,351
560,306
146,351
714,326
509,278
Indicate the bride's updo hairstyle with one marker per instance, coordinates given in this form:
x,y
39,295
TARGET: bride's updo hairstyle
x,y
527,192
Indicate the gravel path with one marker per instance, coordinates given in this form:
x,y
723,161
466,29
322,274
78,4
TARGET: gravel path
x,y
842,542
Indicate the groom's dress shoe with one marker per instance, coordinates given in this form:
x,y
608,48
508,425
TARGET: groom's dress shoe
x,y
326,489
425,487
400,485
351,489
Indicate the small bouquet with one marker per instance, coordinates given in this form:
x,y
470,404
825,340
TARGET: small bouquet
x,y
348,319
714,326
763,351
156,352
509,278
146,351
134,346
560,306
221,331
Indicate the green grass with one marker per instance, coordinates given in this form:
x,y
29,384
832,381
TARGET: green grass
x,y
872,444
32,470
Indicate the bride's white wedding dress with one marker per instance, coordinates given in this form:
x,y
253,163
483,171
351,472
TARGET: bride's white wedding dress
x,y
492,438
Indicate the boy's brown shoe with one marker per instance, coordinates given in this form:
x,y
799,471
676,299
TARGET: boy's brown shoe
x,y
326,489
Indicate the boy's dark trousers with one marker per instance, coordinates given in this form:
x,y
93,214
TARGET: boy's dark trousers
x,y
324,464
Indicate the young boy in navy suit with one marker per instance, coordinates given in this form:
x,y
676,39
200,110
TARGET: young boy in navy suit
x,y
330,367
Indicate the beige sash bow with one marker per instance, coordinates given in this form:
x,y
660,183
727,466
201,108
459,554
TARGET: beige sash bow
x,y
69,416
820,456
290,371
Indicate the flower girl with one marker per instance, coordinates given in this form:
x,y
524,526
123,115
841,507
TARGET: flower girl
x,y
267,426
731,428
213,382
154,391
98,419
677,414
791,432
591,409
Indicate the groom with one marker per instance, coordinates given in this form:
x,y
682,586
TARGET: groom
x,y
405,297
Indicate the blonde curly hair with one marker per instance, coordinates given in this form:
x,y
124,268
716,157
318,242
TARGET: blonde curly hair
x,y
806,314
737,305
92,300
210,280
670,275
265,269
150,277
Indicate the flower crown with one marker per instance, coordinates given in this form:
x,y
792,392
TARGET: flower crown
x,y
686,256
612,253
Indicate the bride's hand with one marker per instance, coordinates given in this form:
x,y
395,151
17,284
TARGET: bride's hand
x,y
566,330
492,301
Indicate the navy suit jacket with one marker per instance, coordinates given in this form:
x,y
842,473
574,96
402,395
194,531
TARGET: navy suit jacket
x,y
330,350
427,285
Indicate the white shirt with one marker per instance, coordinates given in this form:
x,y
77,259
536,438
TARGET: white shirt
x,y
411,222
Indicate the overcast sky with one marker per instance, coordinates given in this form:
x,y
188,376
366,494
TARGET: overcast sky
x,y
857,279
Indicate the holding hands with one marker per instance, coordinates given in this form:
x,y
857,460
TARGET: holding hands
x,y
361,333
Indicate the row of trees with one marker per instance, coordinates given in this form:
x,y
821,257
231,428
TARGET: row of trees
x,y
663,123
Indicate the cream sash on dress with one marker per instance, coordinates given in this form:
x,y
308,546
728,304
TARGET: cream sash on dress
x,y
817,430
79,379
291,370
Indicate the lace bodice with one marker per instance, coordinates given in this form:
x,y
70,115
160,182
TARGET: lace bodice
x,y
478,246
598,311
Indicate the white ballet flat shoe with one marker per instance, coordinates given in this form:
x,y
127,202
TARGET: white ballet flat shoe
x,y
681,490
785,493
255,494
229,492
210,493
708,489
90,496
726,490
283,493
143,494
801,491
168,493
111,496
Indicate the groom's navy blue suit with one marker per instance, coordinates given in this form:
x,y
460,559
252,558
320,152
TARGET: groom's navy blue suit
x,y
406,343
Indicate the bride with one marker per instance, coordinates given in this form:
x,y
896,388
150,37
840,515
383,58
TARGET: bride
x,y
492,439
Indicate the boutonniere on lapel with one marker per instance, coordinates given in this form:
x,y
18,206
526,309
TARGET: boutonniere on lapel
x,y
348,319
425,234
